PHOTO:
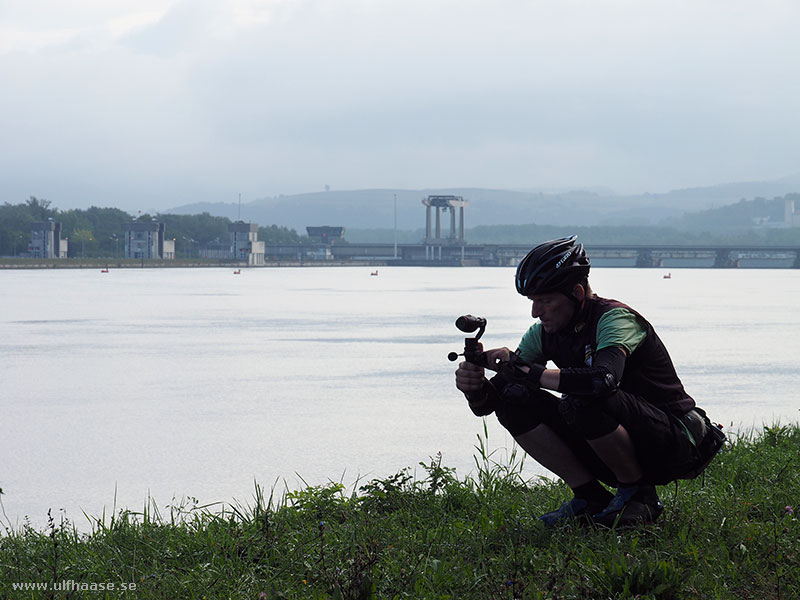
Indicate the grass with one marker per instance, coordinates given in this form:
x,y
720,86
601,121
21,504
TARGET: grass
x,y
730,534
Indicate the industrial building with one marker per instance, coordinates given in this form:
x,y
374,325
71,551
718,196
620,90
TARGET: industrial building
x,y
434,241
46,240
146,240
791,218
245,246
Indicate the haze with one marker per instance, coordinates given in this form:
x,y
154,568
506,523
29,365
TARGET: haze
x,y
146,104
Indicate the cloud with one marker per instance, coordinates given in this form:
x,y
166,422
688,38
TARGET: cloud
x,y
278,96
183,27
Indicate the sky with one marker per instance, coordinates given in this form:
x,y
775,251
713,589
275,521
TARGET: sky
x,y
151,104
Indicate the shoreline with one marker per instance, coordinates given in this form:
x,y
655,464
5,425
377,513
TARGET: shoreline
x,y
100,263
9,264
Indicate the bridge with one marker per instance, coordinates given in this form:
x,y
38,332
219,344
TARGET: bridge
x,y
456,253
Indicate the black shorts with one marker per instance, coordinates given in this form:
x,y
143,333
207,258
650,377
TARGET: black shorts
x,y
662,446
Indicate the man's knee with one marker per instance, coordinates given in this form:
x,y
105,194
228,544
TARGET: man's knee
x,y
587,416
518,418
525,413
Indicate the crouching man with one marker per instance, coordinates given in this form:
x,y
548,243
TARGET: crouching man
x,y
622,418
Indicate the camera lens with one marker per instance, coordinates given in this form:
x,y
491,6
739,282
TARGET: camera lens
x,y
468,323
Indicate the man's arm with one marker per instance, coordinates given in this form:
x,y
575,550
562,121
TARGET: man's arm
x,y
602,378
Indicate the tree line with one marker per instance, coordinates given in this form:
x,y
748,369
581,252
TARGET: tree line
x,y
99,232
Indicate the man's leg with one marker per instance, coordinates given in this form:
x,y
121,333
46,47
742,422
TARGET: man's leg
x,y
616,450
553,453
541,432
606,425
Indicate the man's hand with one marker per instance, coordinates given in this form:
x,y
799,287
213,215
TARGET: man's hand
x,y
495,356
469,378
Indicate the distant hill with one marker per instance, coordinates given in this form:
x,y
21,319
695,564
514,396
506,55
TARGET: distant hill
x,y
375,208
744,214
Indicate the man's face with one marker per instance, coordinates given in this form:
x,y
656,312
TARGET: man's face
x,y
553,310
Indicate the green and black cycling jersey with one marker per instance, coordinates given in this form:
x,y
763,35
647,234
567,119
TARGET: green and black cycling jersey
x,y
607,347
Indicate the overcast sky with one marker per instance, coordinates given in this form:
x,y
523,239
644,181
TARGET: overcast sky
x,y
154,103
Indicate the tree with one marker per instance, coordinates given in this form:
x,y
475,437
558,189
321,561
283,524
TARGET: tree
x,y
278,235
84,237
192,232
39,209
15,221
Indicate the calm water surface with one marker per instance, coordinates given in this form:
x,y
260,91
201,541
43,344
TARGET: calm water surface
x,y
170,383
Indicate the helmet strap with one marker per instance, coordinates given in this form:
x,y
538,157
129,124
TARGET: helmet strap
x,y
578,306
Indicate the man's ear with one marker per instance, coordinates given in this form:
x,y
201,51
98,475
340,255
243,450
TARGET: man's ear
x,y
579,292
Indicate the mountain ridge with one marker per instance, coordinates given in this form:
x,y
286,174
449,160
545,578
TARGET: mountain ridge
x,y
385,207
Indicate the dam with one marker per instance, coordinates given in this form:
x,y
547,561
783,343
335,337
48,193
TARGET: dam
x,y
462,254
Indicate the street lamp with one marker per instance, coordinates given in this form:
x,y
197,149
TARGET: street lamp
x,y
83,246
190,243
21,237
395,225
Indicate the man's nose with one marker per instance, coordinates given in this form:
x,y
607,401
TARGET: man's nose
x,y
535,311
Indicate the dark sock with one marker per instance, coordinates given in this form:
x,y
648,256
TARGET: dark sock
x,y
644,492
647,493
593,491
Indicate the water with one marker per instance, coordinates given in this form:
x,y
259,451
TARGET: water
x,y
173,383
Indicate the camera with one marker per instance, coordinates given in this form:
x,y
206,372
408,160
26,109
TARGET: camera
x,y
472,352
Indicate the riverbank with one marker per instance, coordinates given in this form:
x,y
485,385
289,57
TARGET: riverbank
x,y
132,263
730,534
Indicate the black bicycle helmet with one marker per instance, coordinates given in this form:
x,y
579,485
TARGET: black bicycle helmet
x,y
553,266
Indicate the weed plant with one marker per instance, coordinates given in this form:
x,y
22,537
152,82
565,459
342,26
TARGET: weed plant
x,y
732,533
